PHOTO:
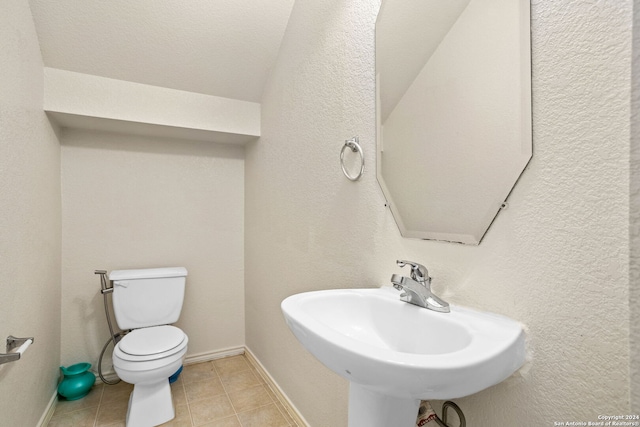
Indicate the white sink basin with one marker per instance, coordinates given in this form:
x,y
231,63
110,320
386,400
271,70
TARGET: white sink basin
x,y
396,354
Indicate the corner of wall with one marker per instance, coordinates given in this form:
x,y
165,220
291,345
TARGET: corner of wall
x,y
30,247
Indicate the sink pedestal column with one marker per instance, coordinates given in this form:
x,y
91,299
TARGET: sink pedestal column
x,y
371,409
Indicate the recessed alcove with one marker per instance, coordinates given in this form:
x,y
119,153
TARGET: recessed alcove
x,y
83,101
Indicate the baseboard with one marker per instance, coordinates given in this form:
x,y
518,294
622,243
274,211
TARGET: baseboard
x,y
288,405
213,355
49,410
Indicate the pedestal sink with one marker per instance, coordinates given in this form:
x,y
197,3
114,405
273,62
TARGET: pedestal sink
x,y
395,354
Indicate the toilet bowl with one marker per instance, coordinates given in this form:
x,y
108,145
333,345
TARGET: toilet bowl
x,y
146,302
146,358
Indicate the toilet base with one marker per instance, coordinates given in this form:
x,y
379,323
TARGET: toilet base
x,y
150,404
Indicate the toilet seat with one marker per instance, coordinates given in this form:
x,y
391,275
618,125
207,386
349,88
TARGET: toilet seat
x,y
152,343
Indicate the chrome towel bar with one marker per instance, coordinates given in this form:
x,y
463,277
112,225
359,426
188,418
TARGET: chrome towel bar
x,y
13,343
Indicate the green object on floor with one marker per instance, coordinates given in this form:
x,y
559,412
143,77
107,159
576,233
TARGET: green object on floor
x,y
77,381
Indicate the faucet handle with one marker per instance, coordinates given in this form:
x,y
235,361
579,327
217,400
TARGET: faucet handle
x,y
419,272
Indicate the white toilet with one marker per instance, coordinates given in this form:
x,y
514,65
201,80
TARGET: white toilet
x,y
147,301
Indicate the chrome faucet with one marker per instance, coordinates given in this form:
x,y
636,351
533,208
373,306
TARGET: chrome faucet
x,y
417,288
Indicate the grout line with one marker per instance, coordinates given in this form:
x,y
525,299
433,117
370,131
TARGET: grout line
x,y
261,383
95,419
226,392
184,391
256,407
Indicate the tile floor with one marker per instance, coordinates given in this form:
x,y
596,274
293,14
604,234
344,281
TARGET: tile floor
x,y
226,392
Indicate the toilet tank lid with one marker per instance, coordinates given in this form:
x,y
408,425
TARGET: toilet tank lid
x,y
148,273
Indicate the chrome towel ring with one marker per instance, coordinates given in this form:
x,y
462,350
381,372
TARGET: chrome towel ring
x,y
354,145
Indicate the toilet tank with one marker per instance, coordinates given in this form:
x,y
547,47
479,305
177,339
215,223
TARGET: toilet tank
x,y
148,297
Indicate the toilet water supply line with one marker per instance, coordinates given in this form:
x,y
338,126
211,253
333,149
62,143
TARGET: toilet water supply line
x,y
114,338
428,418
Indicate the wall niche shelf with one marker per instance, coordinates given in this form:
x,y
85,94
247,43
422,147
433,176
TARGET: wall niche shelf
x,y
83,101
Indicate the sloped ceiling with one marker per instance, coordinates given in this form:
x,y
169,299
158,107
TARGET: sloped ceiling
x,y
216,47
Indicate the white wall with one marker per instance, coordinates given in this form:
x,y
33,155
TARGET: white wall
x,y
29,222
556,260
138,202
634,218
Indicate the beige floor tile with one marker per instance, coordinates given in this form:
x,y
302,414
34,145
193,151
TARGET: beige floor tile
x,y
182,418
199,390
256,372
239,381
230,365
114,412
81,418
211,409
250,398
178,393
225,422
264,416
118,391
272,395
90,400
198,372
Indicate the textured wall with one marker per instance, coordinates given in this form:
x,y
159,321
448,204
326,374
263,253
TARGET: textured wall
x,y
137,202
556,260
634,217
29,222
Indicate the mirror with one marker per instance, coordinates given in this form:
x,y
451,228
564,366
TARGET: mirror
x,y
453,80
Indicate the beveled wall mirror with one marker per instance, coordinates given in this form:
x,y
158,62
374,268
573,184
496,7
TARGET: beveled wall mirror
x,y
453,112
